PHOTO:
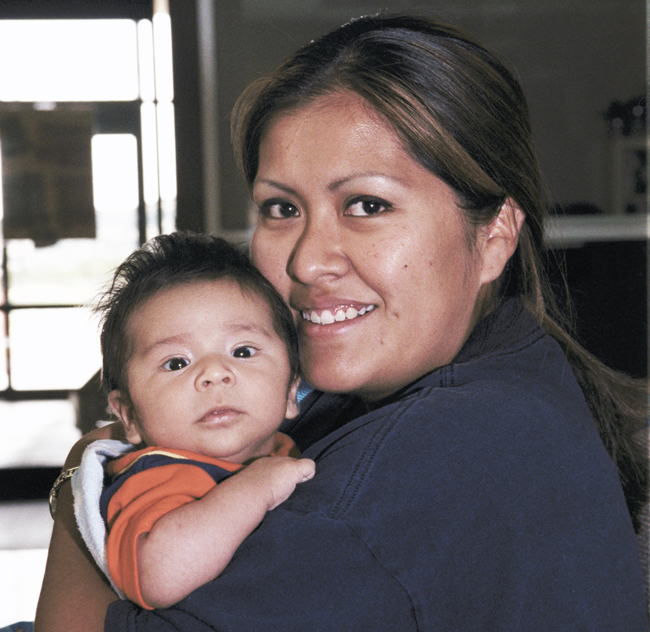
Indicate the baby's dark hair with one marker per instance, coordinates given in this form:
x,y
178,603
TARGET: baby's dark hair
x,y
172,260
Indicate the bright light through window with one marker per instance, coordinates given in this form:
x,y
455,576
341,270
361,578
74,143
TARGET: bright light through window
x,y
162,40
53,348
3,354
1,193
70,69
68,60
115,172
149,152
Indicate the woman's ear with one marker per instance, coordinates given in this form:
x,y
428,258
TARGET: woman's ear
x,y
292,400
124,410
500,240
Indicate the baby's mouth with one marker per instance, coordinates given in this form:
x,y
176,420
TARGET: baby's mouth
x,y
338,315
220,413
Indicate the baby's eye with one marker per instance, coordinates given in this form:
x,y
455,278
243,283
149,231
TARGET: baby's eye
x,y
366,207
244,352
176,364
278,209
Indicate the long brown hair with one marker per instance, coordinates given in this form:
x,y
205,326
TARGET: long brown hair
x,y
461,114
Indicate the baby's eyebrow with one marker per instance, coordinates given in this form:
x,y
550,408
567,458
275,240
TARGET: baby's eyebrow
x,y
170,340
231,328
248,327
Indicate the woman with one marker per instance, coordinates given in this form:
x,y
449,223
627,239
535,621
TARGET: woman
x,y
461,482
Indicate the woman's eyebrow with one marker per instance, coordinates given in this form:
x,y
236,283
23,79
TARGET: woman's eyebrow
x,y
276,185
334,185
362,175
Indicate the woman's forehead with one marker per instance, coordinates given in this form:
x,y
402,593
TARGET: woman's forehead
x,y
341,133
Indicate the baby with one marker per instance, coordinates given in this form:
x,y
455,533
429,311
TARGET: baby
x,y
200,360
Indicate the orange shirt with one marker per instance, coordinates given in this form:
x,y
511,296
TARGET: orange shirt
x,y
161,485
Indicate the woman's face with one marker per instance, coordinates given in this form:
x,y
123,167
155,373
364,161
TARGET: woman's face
x,y
368,247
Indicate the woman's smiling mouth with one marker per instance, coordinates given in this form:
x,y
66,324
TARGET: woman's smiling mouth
x,y
328,317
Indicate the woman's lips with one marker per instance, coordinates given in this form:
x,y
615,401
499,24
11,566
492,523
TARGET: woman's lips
x,y
335,315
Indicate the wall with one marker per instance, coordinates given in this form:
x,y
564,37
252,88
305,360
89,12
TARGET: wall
x,y
573,58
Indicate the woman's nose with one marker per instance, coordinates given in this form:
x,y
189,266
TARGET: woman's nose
x,y
318,253
214,372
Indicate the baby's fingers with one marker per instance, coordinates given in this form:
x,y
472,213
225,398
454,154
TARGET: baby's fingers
x,y
306,468
285,475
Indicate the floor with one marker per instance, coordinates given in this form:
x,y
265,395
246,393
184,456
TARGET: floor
x,y
25,529
34,434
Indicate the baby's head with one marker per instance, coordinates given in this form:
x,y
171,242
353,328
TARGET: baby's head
x,y
199,350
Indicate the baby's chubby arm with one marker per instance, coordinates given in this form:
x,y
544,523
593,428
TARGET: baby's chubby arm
x,y
192,544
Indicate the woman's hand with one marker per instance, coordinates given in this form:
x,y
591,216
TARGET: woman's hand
x,y
75,595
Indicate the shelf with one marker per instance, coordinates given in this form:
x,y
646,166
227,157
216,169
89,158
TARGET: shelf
x,y
562,231
566,231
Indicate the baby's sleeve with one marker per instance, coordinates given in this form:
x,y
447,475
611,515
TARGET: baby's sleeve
x,y
136,506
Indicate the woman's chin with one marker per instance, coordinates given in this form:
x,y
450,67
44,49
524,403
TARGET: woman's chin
x,y
353,378
330,375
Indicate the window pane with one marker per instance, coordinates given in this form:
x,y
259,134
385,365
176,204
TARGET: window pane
x,y
4,379
47,172
115,177
72,271
53,349
68,60
36,433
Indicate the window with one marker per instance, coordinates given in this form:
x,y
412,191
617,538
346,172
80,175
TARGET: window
x,y
88,174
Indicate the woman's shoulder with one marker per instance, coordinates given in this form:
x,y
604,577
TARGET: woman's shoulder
x,y
321,414
508,408
509,371
481,484
514,414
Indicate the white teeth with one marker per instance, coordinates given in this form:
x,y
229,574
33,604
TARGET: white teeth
x,y
327,318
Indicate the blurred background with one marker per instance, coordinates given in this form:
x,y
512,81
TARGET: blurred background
x,y
114,127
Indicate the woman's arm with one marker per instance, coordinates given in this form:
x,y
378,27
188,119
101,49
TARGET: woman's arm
x,y
75,595
192,544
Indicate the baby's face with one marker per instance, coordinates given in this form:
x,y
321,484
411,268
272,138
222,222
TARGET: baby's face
x,y
208,372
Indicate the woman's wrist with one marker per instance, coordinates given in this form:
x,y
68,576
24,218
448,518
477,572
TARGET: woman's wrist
x,y
65,475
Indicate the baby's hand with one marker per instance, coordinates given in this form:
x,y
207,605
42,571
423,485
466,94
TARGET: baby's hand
x,y
279,475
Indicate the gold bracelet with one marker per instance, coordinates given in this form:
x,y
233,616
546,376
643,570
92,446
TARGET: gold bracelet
x,y
54,492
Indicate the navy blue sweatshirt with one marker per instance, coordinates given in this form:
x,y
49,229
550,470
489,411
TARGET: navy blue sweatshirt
x,y
478,498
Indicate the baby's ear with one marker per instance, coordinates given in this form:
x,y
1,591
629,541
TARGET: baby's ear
x,y
124,410
292,400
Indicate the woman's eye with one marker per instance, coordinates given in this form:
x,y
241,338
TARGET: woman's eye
x,y
366,207
277,209
244,352
175,364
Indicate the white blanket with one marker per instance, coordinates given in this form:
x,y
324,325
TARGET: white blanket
x,y
87,487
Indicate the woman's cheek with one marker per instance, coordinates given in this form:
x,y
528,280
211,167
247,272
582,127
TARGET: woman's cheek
x,y
273,266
